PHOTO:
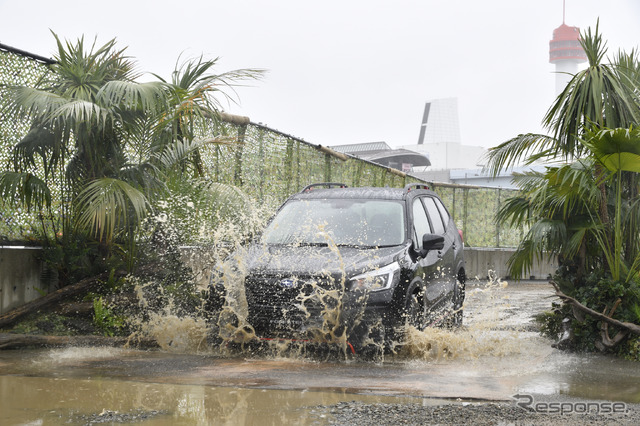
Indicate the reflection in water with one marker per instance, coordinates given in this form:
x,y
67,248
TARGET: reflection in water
x,y
57,401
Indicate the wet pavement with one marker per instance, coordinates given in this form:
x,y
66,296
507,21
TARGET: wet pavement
x,y
496,355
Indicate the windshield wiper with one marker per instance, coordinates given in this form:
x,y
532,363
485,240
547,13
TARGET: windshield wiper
x,y
361,246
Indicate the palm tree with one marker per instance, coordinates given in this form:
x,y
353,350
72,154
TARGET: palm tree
x,y
555,206
189,130
81,118
195,107
600,96
101,143
618,151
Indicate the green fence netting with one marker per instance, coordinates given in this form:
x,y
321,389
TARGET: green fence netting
x,y
269,166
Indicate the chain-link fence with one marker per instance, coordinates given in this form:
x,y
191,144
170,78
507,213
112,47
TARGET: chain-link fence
x,y
269,166
17,68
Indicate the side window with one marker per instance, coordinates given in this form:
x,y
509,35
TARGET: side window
x,y
420,222
434,215
443,212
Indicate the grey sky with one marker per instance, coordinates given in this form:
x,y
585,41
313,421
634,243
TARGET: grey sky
x,y
347,71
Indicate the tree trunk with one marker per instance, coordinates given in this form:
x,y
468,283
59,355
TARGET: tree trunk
x,y
627,326
65,293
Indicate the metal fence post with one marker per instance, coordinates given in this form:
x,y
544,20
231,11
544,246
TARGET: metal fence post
x,y
498,224
327,168
237,174
288,165
465,202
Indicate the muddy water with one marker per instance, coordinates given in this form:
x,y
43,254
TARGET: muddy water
x,y
496,355
50,400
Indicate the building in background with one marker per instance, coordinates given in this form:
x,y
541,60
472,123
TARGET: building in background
x,y
381,153
439,138
566,53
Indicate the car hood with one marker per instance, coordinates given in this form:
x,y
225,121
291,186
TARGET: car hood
x,y
313,260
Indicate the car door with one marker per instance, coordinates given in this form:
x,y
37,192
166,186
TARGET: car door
x,y
447,254
429,267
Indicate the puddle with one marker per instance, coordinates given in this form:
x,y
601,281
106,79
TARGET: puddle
x,y
496,355
58,401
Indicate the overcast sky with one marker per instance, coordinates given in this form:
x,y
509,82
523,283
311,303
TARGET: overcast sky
x,y
347,71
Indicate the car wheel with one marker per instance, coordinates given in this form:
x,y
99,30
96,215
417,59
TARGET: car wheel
x,y
457,318
213,302
414,312
458,301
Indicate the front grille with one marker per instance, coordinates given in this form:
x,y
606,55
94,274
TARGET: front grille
x,y
278,302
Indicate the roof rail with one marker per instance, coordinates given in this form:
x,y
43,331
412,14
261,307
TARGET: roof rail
x,y
408,187
324,185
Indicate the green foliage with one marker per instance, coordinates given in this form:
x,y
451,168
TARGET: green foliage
x,y
600,293
69,261
551,322
102,147
585,210
105,320
569,208
47,323
71,258
631,349
618,151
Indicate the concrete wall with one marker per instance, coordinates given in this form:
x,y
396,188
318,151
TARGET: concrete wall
x,y
20,272
479,261
478,264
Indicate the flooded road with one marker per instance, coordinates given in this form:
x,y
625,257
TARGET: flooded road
x,y
496,355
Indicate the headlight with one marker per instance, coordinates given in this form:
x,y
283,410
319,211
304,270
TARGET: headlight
x,y
376,280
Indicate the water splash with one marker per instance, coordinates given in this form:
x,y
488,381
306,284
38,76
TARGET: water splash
x,y
487,331
319,302
176,334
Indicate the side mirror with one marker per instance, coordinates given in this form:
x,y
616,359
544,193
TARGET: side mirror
x,y
432,242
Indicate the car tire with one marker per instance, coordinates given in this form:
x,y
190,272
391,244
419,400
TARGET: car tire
x,y
414,312
458,301
457,318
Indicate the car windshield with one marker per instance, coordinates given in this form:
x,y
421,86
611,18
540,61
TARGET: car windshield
x,y
343,222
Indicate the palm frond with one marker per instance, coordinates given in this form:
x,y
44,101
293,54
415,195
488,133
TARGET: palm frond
x,y
130,95
594,97
32,103
39,142
617,149
229,201
82,72
572,188
24,189
107,204
515,212
79,112
146,177
543,239
516,151
178,152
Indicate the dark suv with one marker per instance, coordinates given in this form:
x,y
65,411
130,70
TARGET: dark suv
x,y
354,264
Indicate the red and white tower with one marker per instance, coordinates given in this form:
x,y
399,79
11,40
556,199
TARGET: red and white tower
x,y
565,52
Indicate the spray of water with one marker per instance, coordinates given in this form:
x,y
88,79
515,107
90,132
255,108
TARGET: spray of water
x,y
485,333
319,303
